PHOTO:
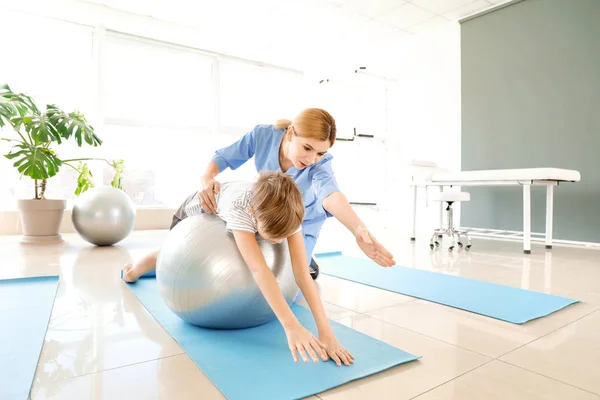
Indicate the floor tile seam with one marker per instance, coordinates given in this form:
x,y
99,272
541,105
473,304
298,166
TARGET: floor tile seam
x,y
434,338
548,377
453,379
549,333
124,366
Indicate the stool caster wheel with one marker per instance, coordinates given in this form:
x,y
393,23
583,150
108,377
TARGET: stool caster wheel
x,y
468,247
451,248
432,246
460,245
437,244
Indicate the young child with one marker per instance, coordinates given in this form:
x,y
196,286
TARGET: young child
x,y
273,208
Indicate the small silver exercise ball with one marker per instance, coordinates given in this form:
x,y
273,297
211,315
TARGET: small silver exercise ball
x,y
204,280
103,215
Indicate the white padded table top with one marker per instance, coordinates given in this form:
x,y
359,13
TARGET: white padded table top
x,y
450,196
526,174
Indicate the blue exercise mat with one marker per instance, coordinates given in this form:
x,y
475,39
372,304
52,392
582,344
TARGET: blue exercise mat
x,y
25,308
497,301
256,363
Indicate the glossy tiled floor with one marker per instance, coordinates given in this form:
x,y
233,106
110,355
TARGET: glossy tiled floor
x,y
102,344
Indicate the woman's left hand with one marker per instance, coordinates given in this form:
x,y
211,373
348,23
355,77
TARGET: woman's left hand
x,y
373,249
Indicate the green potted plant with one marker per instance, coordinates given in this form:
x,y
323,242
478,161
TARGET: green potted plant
x,y
36,133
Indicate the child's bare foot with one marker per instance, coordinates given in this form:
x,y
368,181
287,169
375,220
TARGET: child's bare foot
x,y
129,274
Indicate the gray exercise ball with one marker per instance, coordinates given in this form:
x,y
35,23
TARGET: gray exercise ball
x,y
103,215
204,280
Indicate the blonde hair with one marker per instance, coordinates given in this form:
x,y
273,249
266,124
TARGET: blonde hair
x,y
277,204
313,123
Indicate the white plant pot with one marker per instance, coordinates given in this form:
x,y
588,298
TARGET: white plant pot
x,y
41,220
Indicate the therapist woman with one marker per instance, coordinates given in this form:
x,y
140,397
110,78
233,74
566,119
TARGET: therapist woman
x,y
298,148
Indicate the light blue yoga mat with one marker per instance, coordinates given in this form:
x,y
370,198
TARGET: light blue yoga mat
x,y
256,363
25,308
497,301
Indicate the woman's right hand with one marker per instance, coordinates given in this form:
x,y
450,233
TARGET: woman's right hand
x,y
302,341
207,194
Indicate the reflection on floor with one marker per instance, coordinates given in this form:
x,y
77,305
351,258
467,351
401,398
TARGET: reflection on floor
x,y
102,344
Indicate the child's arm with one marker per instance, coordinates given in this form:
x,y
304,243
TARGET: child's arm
x,y
306,283
309,289
299,338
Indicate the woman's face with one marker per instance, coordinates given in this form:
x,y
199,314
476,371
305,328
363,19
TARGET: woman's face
x,y
304,152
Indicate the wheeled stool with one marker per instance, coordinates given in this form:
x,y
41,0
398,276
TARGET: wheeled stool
x,y
450,198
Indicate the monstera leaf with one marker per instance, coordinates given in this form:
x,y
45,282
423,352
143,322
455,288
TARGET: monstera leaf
x,y
34,161
21,104
72,124
7,111
39,127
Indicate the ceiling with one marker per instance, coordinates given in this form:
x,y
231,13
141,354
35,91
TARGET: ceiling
x,y
309,33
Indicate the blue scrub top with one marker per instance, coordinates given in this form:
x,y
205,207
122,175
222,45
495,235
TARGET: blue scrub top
x,y
316,182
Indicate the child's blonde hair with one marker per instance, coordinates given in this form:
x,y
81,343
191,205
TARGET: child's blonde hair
x,y
277,204
312,123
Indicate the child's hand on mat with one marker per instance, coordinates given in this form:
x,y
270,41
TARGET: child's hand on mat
x,y
372,248
207,194
301,340
336,352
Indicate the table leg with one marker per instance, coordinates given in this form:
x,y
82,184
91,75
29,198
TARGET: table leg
x,y
414,214
527,219
549,212
441,224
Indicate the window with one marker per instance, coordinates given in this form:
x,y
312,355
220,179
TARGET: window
x,y
162,167
52,62
159,107
152,84
252,94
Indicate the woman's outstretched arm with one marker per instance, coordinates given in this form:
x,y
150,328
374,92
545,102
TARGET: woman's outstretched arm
x,y
337,205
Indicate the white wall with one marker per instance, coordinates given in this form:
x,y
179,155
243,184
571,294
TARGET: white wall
x,y
356,101
425,121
